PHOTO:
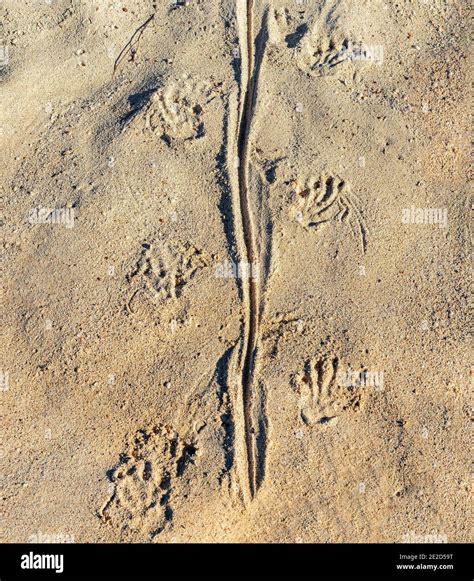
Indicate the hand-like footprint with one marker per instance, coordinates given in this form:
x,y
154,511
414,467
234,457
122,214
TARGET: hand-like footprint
x,y
317,202
144,480
163,271
325,394
317,386
177,110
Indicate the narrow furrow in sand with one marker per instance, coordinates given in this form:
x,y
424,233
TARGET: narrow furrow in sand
x,y
251,291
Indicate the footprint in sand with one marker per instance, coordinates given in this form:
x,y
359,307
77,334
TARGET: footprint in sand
x,y
145,479
323,393
327,199
162,271
318,45
176,112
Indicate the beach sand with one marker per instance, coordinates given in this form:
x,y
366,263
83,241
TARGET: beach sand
x,y
235,255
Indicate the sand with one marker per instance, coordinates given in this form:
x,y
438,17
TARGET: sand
x,y
235,252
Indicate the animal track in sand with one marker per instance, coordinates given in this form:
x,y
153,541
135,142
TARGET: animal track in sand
x,y
318,202
251,392
324,59
318,47
144,481
177,111
162,272
322,397
252,300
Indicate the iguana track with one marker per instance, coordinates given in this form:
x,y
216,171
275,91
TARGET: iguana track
x,y
251,291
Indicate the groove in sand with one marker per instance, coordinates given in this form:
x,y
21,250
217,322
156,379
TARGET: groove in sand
x,y
251,292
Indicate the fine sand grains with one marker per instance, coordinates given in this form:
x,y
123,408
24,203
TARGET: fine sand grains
x,y
235,245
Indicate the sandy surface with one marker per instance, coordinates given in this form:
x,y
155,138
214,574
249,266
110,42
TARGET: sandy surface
x,y
157,388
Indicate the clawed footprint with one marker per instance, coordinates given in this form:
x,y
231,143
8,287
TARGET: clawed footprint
x,y
177,110
317,386
318,201
326,199
323,60
145,479
165,270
